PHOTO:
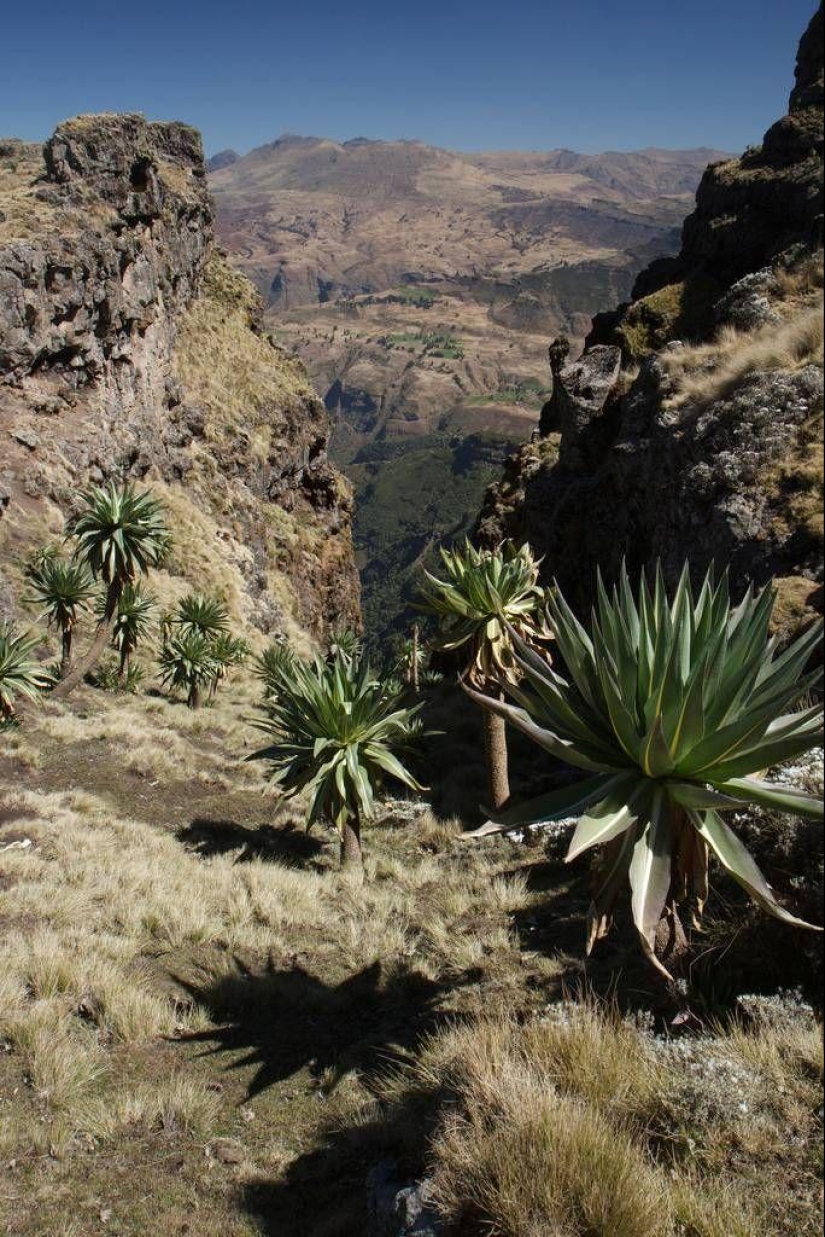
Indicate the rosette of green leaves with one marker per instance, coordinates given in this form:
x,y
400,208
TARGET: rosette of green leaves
x,y
202,616
486,598
673,709
335,733
21,676
120,533
187,660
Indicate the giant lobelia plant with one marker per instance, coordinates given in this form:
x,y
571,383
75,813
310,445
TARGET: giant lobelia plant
x,y
21,676
674,709
119,534
335,733
487,598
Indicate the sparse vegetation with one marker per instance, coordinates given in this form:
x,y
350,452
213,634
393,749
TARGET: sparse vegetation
x,y
710,371
411,294
528,392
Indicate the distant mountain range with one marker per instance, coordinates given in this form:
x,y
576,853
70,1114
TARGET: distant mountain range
x,y
314,220
421,287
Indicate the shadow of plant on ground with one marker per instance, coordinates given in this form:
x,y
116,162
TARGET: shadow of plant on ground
x,y
291,846
324,1192
282,1021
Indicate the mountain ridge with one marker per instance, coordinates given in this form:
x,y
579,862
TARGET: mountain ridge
x,y
421,287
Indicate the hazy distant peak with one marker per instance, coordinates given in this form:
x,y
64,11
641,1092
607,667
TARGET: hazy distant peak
x,y
223,159
287,140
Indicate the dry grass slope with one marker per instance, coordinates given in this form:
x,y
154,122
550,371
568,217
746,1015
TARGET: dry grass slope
x,y
709,372
198,1012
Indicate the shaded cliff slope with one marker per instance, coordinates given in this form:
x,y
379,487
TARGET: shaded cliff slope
x,y
691,427
129,348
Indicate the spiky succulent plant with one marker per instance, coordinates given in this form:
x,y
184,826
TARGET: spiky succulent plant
x,y
227,651
345,643
334,733
203,616
187,661
21,676
486,596
63,590
131,624
120,533
274,666
673,709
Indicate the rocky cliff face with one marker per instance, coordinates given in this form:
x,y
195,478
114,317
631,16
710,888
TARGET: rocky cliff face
x,y
129,348
691,427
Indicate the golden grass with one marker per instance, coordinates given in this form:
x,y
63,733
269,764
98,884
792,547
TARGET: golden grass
x,y
560,1118
233,373
526,1162
579,1124
110,896
711,371
176,1103
255,398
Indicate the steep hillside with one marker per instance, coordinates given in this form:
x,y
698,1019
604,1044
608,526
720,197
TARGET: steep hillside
x,y
369,253
420,287
691,427
129,348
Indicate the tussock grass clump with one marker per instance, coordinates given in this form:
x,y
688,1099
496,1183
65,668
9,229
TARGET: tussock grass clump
x,y
527,1162
709,372
175,1104
581,1123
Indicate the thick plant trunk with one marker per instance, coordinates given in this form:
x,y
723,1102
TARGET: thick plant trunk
x,y
688,892
123,672
98,646
194,700
495,743
66,655
352,856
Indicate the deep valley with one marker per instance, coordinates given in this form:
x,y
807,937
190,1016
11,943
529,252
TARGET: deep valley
x,y
421,288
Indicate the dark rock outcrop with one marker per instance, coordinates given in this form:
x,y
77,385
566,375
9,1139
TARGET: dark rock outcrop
x,y
580,392
725,468
396,1210
748,211
129,348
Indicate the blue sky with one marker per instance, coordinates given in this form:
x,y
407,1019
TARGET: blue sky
x,y
531,74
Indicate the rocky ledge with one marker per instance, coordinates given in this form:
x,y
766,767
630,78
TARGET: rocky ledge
x,y
691,427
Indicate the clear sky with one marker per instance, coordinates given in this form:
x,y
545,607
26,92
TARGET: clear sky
x,y
528,74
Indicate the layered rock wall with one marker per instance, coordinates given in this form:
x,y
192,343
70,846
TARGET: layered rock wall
x,y
128,348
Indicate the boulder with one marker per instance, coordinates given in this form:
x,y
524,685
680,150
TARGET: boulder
x,y
397,1210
